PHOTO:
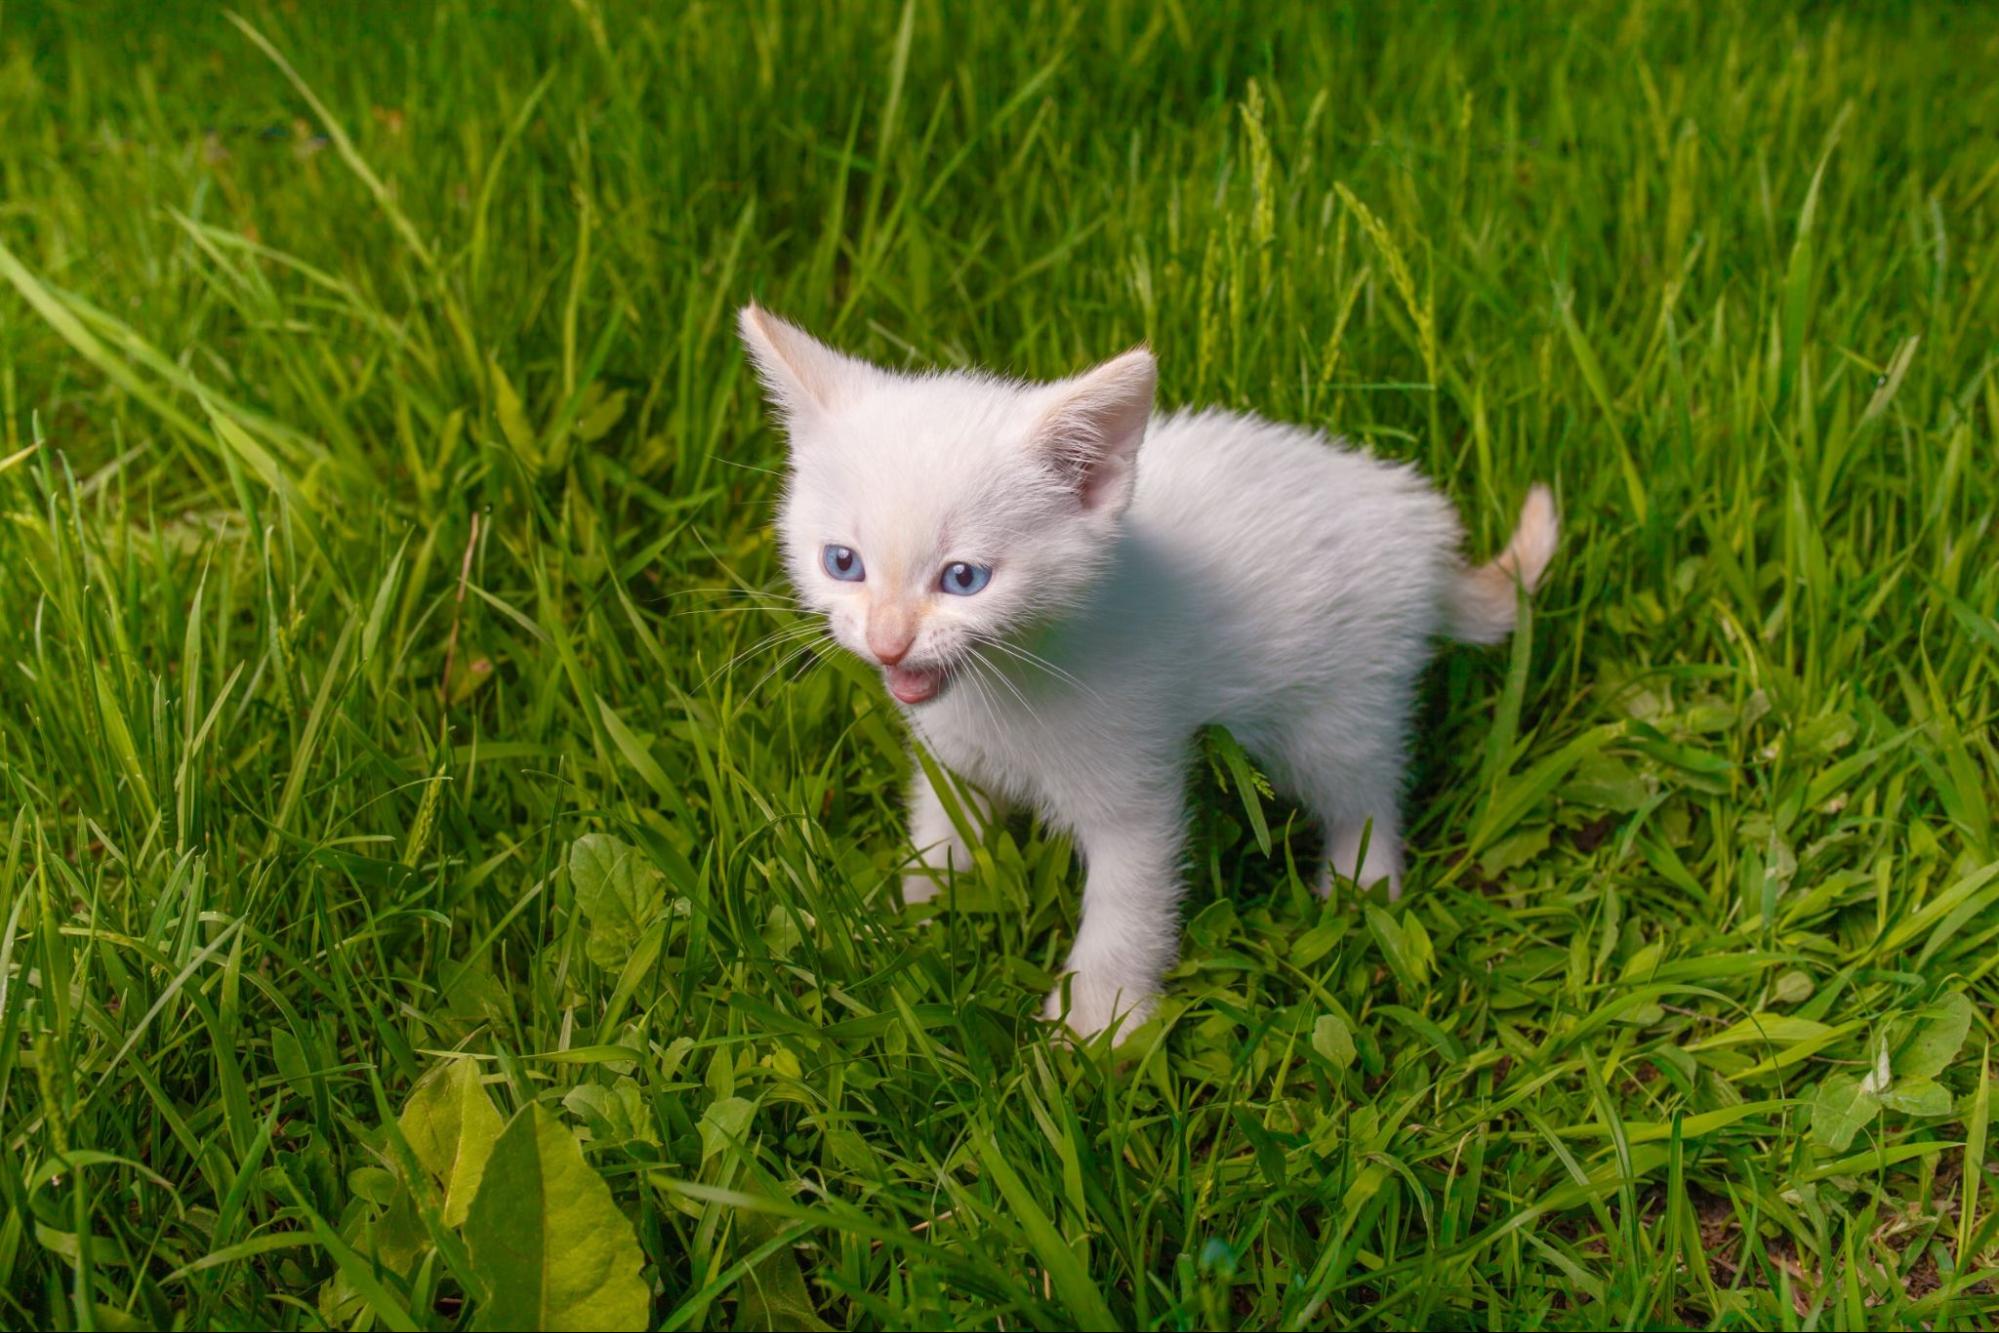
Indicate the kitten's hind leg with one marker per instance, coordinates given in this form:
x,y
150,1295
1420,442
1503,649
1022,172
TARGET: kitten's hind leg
x,y
1342,760
1365,845
941,851
1356,801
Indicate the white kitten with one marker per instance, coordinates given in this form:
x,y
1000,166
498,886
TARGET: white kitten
x,y
1058,614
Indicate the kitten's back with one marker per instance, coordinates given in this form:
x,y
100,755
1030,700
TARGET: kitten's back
x,y
1287,525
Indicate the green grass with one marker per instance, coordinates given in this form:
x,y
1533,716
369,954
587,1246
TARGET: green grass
x,y
384,508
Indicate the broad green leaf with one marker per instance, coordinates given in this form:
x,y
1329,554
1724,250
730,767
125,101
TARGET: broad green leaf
x,y
772,1295
1416,940
546,1239
618,892
1404,961
1922,1096
1316,943
1764,1027
451,1125
1642,964
616,1114
290,1059
361,1275
513,417
723,1125
373,1184
596,419
111,1319
1331,1039
1793,987
1840,1111
391,1240
1606,782
1515,849
1365,1186
1939,1035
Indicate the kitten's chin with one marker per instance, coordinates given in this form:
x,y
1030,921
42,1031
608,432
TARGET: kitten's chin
x,y
914,685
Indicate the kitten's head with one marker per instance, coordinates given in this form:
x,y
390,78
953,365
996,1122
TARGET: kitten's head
x,y
930,515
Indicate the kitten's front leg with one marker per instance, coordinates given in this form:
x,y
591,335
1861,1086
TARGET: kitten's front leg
x,y
940,851
1130,933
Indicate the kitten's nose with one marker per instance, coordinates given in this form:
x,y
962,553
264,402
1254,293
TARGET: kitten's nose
x,y
889,651
890,633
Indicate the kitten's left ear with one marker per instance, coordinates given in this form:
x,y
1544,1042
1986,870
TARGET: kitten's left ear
x,y
1094,430
801,375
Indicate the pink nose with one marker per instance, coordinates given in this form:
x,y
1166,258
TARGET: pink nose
x,y
891,630
889,648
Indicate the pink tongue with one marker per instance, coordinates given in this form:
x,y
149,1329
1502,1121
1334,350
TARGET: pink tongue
x,y
912,685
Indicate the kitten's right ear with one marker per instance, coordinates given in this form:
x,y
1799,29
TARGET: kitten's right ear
x,y
801,375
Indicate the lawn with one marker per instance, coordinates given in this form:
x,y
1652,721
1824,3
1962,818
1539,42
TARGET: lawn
x,y
430,895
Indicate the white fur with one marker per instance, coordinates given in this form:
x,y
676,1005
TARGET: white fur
x,y
1233,571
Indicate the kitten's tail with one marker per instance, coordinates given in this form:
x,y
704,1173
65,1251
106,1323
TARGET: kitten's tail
x,y
1481,601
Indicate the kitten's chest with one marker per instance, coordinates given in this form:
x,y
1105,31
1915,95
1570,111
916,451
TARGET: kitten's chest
x,y
1005,751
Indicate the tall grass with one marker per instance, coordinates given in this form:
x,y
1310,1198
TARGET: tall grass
x,y
386,509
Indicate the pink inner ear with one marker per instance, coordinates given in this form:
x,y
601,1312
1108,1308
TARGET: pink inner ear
x,y
1104,483
1095,431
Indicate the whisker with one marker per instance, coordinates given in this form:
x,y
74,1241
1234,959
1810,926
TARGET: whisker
x,y
767,594
789,631
787,660
976,678
789,634
1000,675
772,608
1034,660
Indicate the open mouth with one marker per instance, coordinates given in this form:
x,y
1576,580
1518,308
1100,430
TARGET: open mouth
x,y
914,685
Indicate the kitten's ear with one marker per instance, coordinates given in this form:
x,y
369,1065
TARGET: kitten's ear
x,y
801,375
1094,429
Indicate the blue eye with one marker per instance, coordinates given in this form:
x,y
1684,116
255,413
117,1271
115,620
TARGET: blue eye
x,y
962,580
843,563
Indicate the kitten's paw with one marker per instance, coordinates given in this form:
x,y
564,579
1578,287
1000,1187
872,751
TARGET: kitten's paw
x,y
1365,884
918,887
1382,861
1089,1004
